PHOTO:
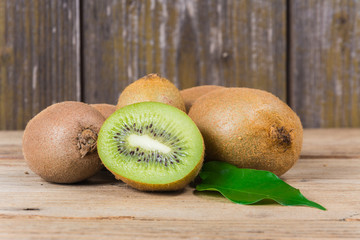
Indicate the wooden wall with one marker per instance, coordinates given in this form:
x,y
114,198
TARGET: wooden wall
x,y
307,52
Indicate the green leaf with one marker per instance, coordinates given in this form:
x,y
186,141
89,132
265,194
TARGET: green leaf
x,y
248,186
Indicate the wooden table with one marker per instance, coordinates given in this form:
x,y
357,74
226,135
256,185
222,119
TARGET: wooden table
x,y
101,208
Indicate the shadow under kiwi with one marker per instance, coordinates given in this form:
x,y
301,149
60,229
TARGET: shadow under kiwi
x,y
100,178
165,193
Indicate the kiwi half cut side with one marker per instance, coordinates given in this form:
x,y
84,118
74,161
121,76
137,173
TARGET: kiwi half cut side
x,y
151,146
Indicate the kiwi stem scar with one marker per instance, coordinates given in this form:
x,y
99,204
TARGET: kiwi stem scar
x,y
148,143
86,141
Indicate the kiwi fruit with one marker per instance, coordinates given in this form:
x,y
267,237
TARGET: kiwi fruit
x,y
151,88
151,146
249,128
190,95
105,109
59,143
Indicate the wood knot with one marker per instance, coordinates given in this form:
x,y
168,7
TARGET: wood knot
x,y
225,55
342,20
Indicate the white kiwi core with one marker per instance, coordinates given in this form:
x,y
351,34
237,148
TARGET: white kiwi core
x,y
147,143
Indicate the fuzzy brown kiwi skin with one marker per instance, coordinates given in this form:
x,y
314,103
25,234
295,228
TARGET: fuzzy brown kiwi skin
x,y
59,143
249,128
154,88
174,186
190,95
105,109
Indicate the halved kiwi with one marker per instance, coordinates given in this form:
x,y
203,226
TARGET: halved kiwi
x,y
151,146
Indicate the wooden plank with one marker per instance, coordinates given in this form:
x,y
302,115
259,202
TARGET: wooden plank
x,y
336,143
39,57
231,43
25,197
10,144
116,204
102,208
23,228
325,63
11,138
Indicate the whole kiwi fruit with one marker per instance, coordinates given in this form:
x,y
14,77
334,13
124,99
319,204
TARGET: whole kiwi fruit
x,y
151,88
249,128
59,143
105,109
190,95
151,146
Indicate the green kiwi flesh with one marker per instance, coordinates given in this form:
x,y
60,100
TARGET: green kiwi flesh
x,y
151,146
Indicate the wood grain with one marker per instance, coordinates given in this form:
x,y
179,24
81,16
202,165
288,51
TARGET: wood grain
x,y
324,70
230,43
102,208
52,51
336,143
39,57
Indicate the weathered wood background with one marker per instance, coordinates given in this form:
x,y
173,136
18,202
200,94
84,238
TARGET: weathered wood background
x,y
307,52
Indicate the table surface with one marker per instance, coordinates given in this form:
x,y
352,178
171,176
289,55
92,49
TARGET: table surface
x,y
328,172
